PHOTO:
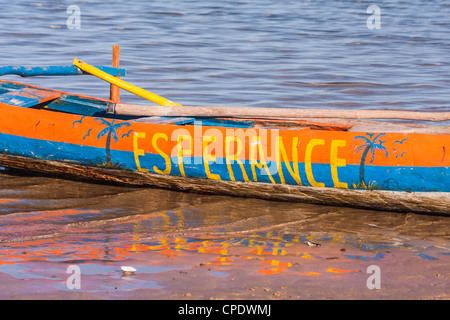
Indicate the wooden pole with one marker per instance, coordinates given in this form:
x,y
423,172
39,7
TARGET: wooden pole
x,y
114,90
275,113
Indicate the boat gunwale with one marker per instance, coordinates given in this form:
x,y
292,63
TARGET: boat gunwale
x,y
333,124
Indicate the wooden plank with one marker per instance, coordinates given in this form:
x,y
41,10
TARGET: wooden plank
x,y
294,124
275,113
77,105
28,97
166,120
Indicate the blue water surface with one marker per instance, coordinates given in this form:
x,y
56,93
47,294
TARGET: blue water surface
x,y
322,54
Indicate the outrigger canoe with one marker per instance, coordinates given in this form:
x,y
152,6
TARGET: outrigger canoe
x,y
373,164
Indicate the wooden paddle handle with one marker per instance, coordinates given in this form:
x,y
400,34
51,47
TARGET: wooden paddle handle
x,y
274,113
123,85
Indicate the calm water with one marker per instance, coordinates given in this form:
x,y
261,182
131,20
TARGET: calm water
x,y
319,54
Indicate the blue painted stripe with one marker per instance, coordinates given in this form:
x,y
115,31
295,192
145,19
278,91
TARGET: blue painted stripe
x,y
386,178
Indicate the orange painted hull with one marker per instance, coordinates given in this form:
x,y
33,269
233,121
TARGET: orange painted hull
x,y
258,153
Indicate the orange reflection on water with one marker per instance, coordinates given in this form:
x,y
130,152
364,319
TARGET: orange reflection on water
x,y
333,270
84,238
5,201
271,271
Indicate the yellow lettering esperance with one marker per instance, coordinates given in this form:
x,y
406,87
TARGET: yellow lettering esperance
x,y
255,150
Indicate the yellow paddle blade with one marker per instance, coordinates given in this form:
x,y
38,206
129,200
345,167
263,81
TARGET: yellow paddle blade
x,y
124,85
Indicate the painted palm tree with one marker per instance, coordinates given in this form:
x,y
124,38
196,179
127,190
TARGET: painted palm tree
x,y
111,132
369,145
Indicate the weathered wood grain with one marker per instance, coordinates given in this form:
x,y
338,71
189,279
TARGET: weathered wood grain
x,y
437,203
275,113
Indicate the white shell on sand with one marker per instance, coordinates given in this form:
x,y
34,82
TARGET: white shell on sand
x,y
128,269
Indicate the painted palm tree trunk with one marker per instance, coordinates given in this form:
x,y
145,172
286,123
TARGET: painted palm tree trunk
x,y
108,148
362,166
111,133
370,145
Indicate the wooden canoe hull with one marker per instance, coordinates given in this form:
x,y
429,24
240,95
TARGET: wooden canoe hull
x,y
435,203
404,170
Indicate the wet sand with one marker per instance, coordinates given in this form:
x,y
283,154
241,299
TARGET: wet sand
x,y
266,262
191,278
197,247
